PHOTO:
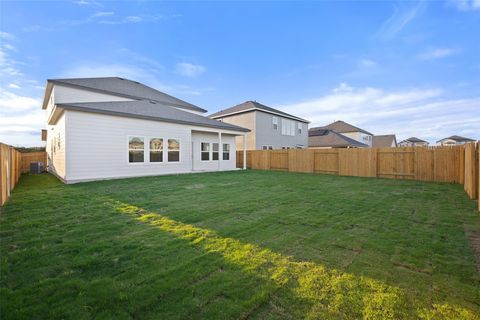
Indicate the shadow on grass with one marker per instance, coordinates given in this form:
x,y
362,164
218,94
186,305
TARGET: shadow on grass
x,y
330,293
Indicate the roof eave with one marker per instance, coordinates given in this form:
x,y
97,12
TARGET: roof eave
x,y
129,115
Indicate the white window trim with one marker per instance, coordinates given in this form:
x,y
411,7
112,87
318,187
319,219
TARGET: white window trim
x,y
164,156
128,149
146,151
218,151
275,123
179,152
223,151
209,151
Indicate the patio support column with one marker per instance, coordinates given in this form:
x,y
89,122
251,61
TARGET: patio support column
x,y
244,152
220,150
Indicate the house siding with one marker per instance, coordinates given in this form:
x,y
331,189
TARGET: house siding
x,y
360,137
98,147
56,146
65,94
212,165
267,136
245,120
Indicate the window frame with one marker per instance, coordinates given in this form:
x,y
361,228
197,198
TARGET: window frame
x,y
217,152
163,151
206,152
299,128
179,151
226,152
128,149
275,123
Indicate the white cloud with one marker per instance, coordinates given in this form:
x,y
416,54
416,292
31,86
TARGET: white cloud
x,y
400,18
13,86
11,102
465,5
367,63
438,53
189,69
133,19
410,112
6,36
8,46
103,14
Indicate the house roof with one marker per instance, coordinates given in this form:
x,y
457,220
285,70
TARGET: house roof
x,y
457,138
123,87
251,106
414,139
150,110
384,141
329,138
343,127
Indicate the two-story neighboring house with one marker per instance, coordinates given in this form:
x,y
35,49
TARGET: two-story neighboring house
x,y
269,128
350,131
104,128
413,142
454,140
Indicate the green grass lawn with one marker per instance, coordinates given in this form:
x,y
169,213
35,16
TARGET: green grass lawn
x,y
244,244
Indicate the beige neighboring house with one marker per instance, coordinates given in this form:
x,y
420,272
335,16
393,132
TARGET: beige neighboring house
x,y
320,138
350,131
454,140
269,128
384,141
413,142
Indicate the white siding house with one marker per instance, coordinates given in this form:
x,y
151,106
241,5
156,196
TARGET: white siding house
x,y
96,134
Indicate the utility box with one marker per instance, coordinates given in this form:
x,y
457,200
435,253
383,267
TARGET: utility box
x,y
36,167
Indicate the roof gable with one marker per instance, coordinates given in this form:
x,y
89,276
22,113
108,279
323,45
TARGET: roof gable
x,y
248,106
384,141
343,127
126,88
329,138
457,138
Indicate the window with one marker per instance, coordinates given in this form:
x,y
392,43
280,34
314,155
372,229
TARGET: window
x,y
267,147
226,151
214,151
136,149
205,151
299,128
173,150
288,127
156,150
275,123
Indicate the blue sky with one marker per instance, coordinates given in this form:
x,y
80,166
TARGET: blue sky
x,y
410,68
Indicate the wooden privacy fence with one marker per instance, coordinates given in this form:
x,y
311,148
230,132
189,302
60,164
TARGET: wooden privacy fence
x,y
12,164
456,164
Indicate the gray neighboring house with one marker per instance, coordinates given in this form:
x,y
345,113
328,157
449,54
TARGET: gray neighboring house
x,y
454,140
384,141
346,129
269,128
321,138
413,142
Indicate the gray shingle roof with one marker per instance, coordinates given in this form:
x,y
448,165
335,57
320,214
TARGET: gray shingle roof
x,y
343,127
150,111
253,105
414,139
384,141
127,88
457,138
328,138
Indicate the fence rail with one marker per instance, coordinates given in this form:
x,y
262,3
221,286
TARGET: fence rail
x,y
456,164
12,164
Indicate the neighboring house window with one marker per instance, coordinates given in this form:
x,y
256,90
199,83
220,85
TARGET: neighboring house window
x,y
299,128
267,147
156,150
288,127
214,151
275,123
205,151
136,148
226,151
173,150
